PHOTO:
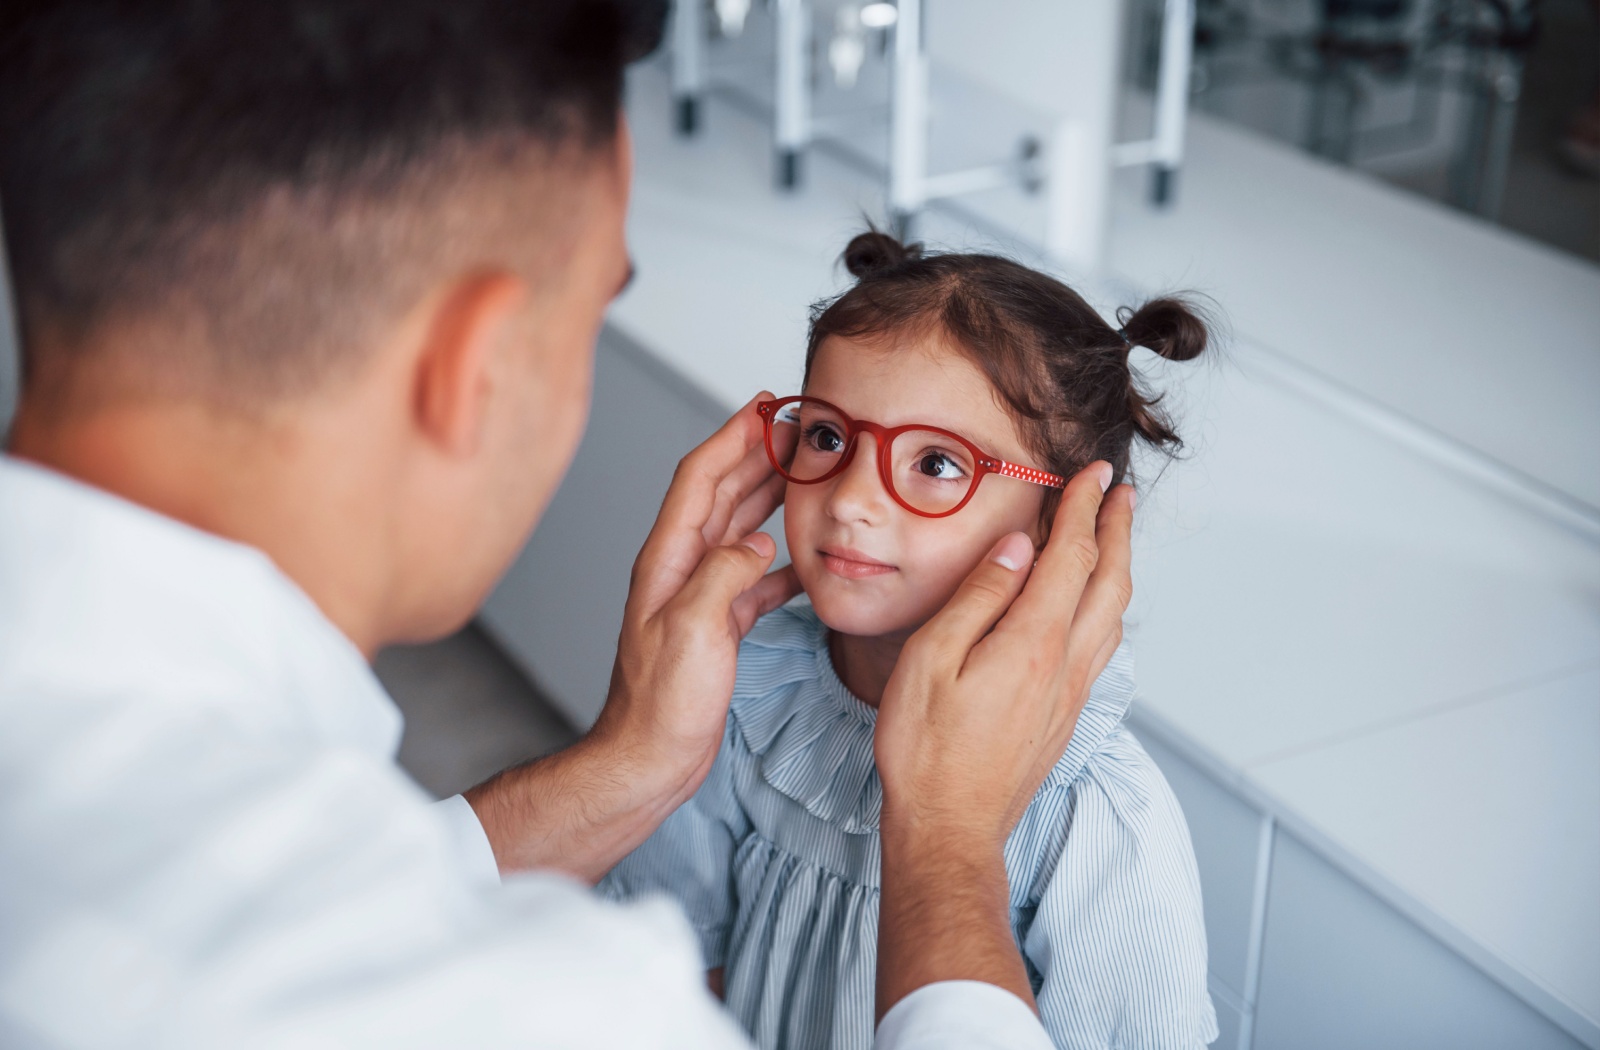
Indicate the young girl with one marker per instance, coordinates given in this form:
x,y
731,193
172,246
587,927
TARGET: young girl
x,y
930,374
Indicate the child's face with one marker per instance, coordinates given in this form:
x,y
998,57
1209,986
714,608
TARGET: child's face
x,y
871,567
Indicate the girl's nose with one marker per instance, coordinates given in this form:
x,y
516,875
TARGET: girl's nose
x,y
858,494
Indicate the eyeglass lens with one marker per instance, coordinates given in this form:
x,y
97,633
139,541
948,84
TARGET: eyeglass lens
x,y
928,470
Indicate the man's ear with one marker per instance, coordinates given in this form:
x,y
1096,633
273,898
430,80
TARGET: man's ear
x,y
472,323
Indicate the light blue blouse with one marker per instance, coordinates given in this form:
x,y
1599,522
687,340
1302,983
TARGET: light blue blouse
x,y
775,859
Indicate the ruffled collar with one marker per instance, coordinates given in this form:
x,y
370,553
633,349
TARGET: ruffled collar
x,y
812,738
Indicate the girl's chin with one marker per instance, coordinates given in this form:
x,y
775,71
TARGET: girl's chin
x,y
858,615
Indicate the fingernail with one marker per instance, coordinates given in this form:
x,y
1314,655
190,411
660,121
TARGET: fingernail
x,y
1133,498
1013,551
1105,476
755,542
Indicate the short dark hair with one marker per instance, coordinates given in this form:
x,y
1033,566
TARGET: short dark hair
x,y
1060,369
130,129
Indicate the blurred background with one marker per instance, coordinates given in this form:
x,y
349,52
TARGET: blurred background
x,y
1367,619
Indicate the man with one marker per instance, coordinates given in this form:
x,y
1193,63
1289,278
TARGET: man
x,y
308,294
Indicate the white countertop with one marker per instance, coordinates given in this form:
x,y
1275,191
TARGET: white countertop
x,y
1407,663
1430,311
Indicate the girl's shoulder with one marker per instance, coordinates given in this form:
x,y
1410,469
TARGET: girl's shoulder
x,y
1124,782
1095,739
1116,809
1103,766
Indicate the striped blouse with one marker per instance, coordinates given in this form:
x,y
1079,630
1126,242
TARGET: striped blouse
x,y
775,859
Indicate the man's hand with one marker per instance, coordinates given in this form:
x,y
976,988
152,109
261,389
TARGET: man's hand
x,y
981,705
697,589
698,586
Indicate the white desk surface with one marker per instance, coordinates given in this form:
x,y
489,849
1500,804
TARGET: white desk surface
x,y
1428,311
1407,664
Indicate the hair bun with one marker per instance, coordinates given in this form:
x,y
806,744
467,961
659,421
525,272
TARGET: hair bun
x,y
1172,327
875,252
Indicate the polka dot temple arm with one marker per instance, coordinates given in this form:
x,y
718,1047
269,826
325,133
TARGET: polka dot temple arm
x,y
1038,477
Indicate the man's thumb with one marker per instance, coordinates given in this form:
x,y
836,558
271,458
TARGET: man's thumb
x,y
725,573
762,544
984,596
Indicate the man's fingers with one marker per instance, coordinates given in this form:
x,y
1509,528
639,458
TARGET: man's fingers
x,y
756,508
1110,588
1068,559
693,493
674,547
1113,536
982,598
771,591
1108,649
724,574
752,473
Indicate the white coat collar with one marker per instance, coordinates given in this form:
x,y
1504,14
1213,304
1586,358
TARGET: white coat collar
x,y
101,595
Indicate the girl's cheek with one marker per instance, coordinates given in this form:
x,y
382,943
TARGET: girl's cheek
x,y
941,563
800,509
956,552
802,526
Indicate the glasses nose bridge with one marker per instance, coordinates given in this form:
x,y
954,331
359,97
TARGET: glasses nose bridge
x,y
883,437
880,436
878,432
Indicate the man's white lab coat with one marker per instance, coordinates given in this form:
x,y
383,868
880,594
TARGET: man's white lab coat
x,y
205,842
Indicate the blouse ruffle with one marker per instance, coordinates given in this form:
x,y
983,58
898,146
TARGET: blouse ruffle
x,y
820,754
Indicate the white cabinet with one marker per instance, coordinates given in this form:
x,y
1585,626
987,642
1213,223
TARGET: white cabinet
x,y
1226,833
1339,966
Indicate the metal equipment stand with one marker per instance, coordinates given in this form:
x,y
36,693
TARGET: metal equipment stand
x,y
1071,166
1163,151
792,94
688,64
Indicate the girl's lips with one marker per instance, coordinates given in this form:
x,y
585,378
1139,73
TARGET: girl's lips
x,y
853,565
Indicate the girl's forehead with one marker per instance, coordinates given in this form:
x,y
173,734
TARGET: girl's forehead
x,y
913,379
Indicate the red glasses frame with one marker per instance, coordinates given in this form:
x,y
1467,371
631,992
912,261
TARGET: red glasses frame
x,y
985,463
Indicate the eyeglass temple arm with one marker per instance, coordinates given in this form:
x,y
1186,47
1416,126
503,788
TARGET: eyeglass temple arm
x,y
1016,470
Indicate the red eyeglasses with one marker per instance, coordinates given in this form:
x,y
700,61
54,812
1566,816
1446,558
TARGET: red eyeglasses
x,y
928,470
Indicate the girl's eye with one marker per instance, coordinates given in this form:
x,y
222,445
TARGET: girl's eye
x,y
935,464
824,438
